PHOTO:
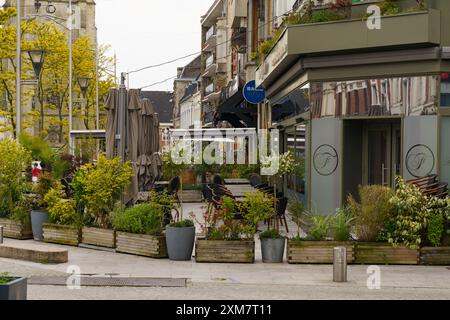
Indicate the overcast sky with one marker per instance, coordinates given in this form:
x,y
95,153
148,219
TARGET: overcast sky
x,y
148,32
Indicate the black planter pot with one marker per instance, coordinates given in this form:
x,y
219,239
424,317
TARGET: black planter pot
x,y
16,289
180,243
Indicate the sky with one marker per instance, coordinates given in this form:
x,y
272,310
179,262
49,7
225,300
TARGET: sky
x,y
148,32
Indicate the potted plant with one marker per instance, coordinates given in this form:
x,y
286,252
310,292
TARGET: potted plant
x,y
180,239
230,235
39,212
14,207
140,230
379,216
53,169
64,224
272,246
12,288
96,188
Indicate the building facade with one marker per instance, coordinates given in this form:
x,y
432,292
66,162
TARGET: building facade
x,y
360,105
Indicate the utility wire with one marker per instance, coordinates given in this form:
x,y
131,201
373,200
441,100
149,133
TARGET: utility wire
x,y
199,52
165,80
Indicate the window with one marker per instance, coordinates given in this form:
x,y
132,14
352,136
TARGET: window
x,y
445,90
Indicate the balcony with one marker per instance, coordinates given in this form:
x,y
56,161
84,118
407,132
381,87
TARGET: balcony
x,y
238,11
210,94
210,39
414,30
212,67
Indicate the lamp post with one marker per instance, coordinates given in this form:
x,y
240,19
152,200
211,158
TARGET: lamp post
x,y
37,57
83,83
18,69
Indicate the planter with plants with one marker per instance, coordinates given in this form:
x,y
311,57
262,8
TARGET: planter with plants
x,y
436,250
54,168
14,207
64,225
324,234
140,230
376,226
180,239
96,188
230,232
272,246
39,212
12,288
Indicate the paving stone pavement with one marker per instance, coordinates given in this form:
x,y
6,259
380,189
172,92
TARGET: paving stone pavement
x,y
231,281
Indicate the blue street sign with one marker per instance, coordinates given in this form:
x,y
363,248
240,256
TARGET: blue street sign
x,y
252,94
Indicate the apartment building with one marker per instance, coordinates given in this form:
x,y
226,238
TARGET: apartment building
x,y
186,76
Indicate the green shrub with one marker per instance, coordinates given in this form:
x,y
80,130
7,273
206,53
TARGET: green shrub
x,y
389,7
320,227
435,229
144,218
409,215
5,278
62,211
97,187
182,224
371,212
342,224
14,161
297,211
270,234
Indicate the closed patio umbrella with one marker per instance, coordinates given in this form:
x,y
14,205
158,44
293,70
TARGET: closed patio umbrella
x,y
111,122
131,154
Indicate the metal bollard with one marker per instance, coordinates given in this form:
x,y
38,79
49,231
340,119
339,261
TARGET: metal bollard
x,y
1,234
340,264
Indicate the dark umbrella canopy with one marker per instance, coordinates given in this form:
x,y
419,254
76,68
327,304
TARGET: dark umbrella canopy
x,y
111,121
134,107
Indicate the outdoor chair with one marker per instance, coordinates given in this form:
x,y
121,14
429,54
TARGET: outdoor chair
x,y
279,217
218,180
255,180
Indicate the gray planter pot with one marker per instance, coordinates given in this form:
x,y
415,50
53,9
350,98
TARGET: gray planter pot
x,y
14,290
180,243
38,218
273,250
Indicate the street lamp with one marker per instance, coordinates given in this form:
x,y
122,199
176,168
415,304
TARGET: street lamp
x,y
37,57
83,82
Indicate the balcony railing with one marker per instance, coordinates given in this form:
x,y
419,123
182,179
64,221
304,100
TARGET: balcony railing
x,y
209,61
209,89
211,32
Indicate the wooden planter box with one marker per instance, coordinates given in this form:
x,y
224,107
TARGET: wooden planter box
x,y
190,196
98,237
16,230
223,251
317,252
383,253
437,256
68,235
142,245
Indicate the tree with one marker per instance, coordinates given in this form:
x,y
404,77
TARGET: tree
x,y
51,105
